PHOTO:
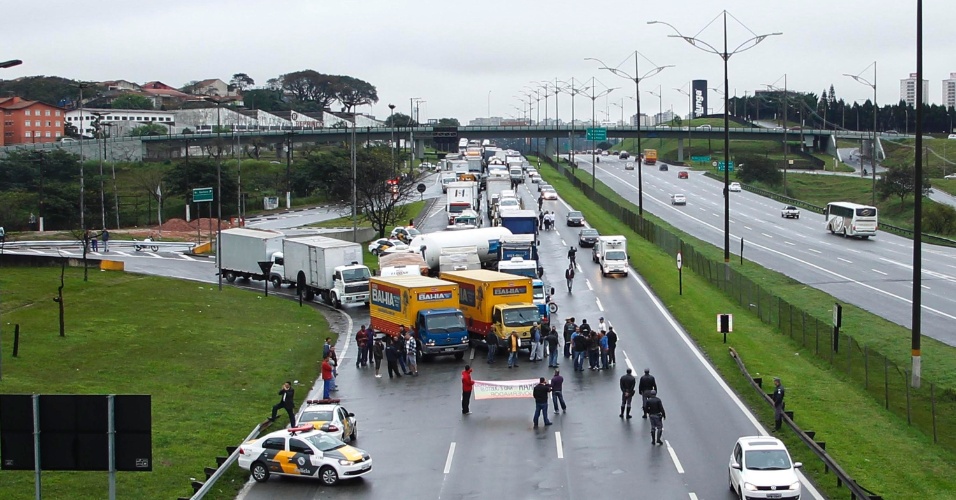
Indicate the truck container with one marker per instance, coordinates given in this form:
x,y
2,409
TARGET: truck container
x,y
519,221
650,156
495,304
242,249
523,246
428,307
610,252
326,267
486,240
460,196
459,259
402,263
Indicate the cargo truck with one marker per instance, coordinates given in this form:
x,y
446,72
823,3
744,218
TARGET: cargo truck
x,y
495,187
427,307
520,245
459,259
495,304
650,156
460,196
519,221
243,249
326,267
486,240
610,252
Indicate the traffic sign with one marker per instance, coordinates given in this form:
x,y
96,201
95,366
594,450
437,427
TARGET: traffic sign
x,y
597,134
720,166
700,159
202,194
680,261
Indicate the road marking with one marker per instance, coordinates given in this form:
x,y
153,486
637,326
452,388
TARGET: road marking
x,y
627,360
693,496
579,268
789,243
814,251
879,272
670,449
559,444
472,357
186,257
599,304
767,235
844,260
588,283
924,286
563,243
451,454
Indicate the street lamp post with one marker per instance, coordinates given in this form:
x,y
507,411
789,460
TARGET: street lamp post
x,y
82,86
690,116
660,109
218,184
109,127
98,126
636,78
594,97
786,145
875,109
573,93
725,55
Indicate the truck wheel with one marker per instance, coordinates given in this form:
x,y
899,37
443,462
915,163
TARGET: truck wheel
x,y
230,277
336,301
276,282
459,356
309,294
326,298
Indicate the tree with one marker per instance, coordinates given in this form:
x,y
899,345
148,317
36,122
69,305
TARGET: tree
x,y
191,87
352,92
186,175
400,120
265,99
449,122
380,195
314,90
148,129
939,218
900,181
43,183
754,168
132,101
240,81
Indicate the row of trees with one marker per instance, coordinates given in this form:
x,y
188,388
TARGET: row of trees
x,y
306,90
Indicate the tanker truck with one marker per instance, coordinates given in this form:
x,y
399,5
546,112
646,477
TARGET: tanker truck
x,y
486,240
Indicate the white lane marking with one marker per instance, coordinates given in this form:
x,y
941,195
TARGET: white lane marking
x,y
789,243
599,304
186,257
925,271
579,268
814,251
588,283
670,449
154,255
844,260
879,272
451,455
767,235
472,357
563,243
924,286
559,444
693,496
627,360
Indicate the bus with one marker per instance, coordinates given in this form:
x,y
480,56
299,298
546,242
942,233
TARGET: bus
x,y
851,219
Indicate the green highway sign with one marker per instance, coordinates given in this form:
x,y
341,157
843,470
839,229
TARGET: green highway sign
x,y
700,159
202,194
597,134
720,166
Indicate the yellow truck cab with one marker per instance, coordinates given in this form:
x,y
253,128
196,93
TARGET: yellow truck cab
x,y
428,307
495,303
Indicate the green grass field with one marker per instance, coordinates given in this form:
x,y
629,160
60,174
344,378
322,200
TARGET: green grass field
x,y
874,446
212,375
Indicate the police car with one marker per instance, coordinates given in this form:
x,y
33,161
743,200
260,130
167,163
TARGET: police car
x,y
332,419
303,451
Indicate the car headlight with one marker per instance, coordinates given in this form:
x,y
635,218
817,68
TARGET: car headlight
x,y
464,339
750,487
795,486
345,462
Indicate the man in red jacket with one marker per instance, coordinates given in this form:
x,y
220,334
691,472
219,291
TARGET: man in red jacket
x,y
327,378
466,385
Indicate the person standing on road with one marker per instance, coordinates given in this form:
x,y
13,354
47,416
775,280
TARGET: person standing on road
x,y
569,275
644,386
535,343
611,346
628,383
400,347
105,236
778,405
572,253
602,325
378,352
327,378
514,343
569,329
391,358
580,347
540,201
93,242
411,352
553,342
655,409
286,401
467,384
540,393
361,341
557,395
602,340
492,340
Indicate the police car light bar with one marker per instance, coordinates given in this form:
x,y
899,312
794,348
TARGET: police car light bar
x,y
302,428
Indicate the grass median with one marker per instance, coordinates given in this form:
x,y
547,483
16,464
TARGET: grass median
x,y
876,447
213,372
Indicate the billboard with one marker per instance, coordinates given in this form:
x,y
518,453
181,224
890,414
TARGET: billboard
x,y
699,98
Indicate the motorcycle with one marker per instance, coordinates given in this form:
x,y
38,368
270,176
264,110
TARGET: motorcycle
x,y
145,245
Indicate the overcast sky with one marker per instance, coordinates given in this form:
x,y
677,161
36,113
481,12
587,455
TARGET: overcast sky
x,y
457,56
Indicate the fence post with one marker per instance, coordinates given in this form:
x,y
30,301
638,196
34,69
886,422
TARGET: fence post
x,y
932,398
803,329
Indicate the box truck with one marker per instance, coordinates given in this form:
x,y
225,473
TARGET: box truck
x,y
427,307
610,252
326,267
486,240
243,249
495,304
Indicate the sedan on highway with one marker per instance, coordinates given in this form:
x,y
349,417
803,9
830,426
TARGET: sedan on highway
x,y
549,193
678,199
629,166
734,186
662,167
575,218
587,237
303,451
542,186
331,419
682,174
760,467
382,244
404,234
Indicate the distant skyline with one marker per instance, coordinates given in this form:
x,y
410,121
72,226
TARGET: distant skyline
x,y
471,60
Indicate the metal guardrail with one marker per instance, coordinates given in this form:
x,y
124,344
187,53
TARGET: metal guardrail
x,y
843,479
169,246
231,459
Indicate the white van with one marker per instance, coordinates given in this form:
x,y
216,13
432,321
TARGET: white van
x,y
610,252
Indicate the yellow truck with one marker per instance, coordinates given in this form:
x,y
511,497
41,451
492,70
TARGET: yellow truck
x,y
495,303
428,307
650,156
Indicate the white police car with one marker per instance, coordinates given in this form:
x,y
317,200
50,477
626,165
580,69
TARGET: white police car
x,y
303,451
329,418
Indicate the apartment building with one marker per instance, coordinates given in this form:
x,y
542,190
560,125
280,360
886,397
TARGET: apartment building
x,y
949,91
908,90
28,122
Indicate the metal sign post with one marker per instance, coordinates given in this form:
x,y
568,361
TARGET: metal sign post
x,y
837,323
680,275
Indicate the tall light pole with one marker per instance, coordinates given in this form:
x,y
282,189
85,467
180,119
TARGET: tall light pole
x,y
218,184
864,81
82,86
636,78
660,108
391,121
786,145
917,204
725,55
690,114
98,124
411,130
573,92
109,127
594,97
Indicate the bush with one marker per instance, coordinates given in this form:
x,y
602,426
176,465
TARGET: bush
x,y
939,218
757,169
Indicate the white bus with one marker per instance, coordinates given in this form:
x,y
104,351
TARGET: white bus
x,y
851,219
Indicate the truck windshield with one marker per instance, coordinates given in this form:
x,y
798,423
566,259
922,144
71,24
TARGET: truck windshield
x,y
523,316
357,274
445,323
538,292
615,255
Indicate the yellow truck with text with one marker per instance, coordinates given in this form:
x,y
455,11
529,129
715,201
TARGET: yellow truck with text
x,y
650,156
495,303
427,307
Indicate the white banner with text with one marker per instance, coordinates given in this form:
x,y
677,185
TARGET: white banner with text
x,y
504,389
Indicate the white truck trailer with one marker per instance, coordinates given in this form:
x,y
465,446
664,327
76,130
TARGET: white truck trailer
x,y
243,249
486,240
327,267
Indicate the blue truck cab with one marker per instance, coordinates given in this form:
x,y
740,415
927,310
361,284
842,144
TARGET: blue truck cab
x,y
442,332
523,246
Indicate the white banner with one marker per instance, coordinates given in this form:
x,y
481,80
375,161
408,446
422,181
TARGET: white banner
x,y
504,389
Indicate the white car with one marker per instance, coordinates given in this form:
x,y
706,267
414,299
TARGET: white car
x,y
950,176
549,193
303,451
331,419
678,199
760,467
734,186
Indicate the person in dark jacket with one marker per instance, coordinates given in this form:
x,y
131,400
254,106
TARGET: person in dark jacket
x,y
557,392
569,328
540,393
392,357
466,386
286,401
655,408
580,348
778,393
378,352
492,340
646,384
402,352
553,343
594,351
569,276
628,383
611,345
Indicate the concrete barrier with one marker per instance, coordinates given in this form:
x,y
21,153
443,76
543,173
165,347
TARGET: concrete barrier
x,y
203,249
112,265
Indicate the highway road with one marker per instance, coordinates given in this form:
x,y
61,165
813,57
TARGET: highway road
x,y
874,274
423,447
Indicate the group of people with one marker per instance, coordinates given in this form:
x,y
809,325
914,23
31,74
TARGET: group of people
x,y
546,220
544,344
91,240
400,352
597,346
651,405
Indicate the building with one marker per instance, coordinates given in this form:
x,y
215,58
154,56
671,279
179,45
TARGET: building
x,y
908,90
121,120
493,121
949,91
28,122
